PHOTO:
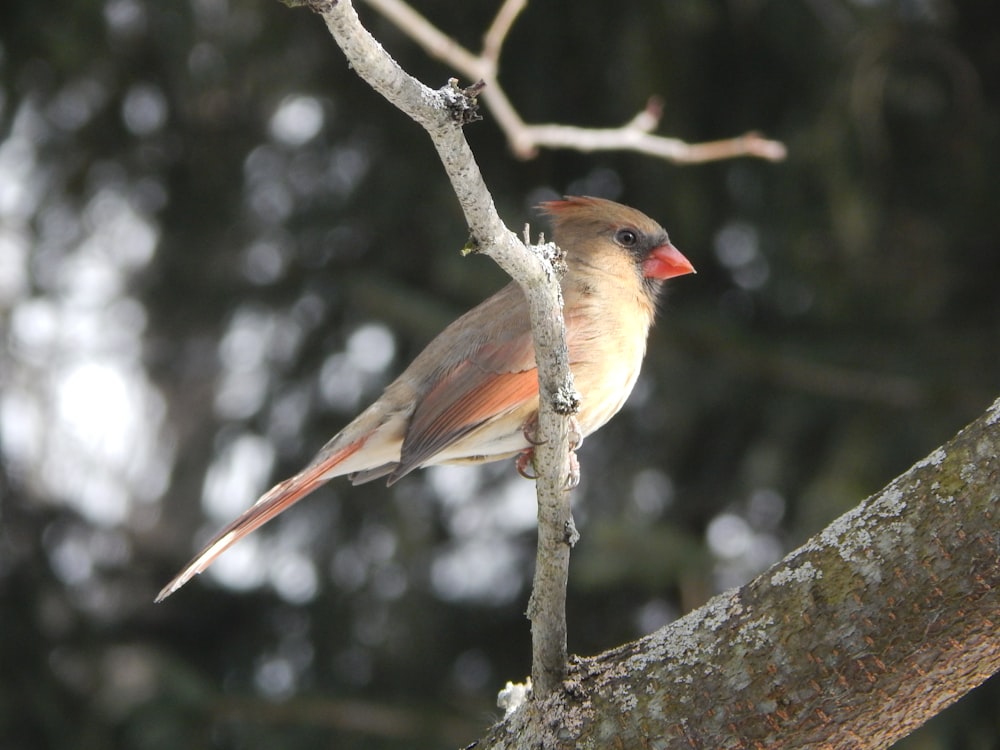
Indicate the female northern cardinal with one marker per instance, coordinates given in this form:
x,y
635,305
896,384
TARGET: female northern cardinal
x,y
471,394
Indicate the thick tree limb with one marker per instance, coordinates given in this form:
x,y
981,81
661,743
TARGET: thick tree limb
x,y
852,641
442,113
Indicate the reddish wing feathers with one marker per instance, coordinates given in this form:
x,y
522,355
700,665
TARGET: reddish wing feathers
x,y
457,406
497,378
496,374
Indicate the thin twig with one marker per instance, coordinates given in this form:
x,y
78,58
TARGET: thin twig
x,y
434,42
526,140
630,138
494,37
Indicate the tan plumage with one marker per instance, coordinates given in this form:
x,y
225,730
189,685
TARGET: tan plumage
x,y
468,396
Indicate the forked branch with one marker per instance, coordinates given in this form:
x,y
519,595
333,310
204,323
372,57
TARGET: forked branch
x,y
525,139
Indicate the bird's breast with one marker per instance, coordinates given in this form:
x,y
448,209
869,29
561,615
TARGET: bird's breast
x,y
604,389
605,369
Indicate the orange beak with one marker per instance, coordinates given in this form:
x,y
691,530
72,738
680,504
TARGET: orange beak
x,y
665,262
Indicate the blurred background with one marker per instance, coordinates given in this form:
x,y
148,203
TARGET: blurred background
x,y
217,245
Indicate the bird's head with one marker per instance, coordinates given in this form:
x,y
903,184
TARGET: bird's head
x,y
597,234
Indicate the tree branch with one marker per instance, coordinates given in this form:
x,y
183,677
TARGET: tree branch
x,y
494,37
852,641
525,140
442,113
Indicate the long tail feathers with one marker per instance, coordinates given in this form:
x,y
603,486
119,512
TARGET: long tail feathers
x,y
275,501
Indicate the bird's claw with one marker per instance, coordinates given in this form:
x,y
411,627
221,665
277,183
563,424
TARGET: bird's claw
x,y
575,434
530,431
525,459
573,477
525,465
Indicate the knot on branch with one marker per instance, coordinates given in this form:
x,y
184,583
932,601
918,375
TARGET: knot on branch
x,y
566,400
471,247
553,255
463,104
570,535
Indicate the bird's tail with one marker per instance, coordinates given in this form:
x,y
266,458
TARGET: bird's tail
x,y
275,501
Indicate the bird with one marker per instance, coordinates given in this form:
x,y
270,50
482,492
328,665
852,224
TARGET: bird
x,y
471,395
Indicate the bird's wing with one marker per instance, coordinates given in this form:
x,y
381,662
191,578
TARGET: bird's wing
x,y
496,376
460,404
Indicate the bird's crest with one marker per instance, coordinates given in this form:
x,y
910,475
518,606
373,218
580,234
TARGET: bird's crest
x,y
584,209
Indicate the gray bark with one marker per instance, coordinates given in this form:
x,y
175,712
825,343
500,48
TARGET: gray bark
x,y
876,624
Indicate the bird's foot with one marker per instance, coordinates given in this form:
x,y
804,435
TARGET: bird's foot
x,y
525,465
573,478
575,434
530,432
525,462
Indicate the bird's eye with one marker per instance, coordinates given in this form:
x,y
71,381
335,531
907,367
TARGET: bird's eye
x,y
627,237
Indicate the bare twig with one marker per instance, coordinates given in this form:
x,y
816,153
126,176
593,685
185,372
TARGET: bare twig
x,y
526,140
494,37
442,114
